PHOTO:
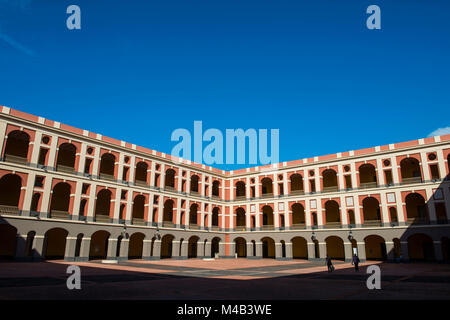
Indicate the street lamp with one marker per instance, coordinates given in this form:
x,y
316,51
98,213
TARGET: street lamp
x,y
350,236
313,236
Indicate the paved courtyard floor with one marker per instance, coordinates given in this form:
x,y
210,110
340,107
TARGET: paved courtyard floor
x,y
222,279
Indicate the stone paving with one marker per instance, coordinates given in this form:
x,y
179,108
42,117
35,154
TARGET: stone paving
x,y
222,279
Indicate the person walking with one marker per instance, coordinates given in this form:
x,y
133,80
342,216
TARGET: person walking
x,y
355,262
329,264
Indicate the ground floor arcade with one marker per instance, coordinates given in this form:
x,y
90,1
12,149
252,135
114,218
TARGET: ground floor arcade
x,y
27,240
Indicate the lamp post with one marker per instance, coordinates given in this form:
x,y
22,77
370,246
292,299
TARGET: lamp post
x,y
313,236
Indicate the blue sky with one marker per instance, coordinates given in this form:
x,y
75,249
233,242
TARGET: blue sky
x,y
137,70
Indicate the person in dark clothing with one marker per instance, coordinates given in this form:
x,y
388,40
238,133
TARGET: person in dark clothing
x,y
355,262
329,264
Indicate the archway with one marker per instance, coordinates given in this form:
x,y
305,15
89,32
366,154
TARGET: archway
x,y
298,216
102,206
240,218
332,214
192,247
268,246
107,164
266,186
60,201
335,247
416,209
138,210
267,217
215,244
168,211
375,248
410,170
169,181
371,211
8,236
194,183
299,248
66,157
420,247
329,180
193,215
99,245
240,189
166,246
55,243
136,245
16,147
10,187
141,173
296,183
240,247
215,217
367,176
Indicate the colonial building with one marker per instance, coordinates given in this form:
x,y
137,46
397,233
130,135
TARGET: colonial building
x,y
73,194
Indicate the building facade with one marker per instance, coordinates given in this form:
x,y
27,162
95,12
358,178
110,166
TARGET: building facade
x,y
73,194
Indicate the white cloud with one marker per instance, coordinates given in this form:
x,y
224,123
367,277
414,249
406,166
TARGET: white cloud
x,y
440,132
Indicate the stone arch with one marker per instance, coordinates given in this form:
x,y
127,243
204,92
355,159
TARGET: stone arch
x,y
99,245
298,216
266,186
329,180
375,247
367,175
332,214
103,204
10,188
335,247
107,165
240,189
167,246
240,218
420,247
66,157
141,173
410,170
60,201
240,247
299,248
268,246
136,245
16,147
8,236
55,243
416,208
193,247
296,183
371,210
169,181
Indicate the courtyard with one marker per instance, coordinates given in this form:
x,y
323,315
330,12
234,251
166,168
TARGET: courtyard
x,y
222,279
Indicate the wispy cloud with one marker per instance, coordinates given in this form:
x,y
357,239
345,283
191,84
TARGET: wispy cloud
x,y
440,132
22,6
16,45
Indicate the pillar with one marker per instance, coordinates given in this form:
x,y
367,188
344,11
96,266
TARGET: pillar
x,y
156,250
147,249
348,254
112,249
288,251
404,253
69,254
207,249
123,253
38,247
84,249
438,250
278,251
311,251
200,249
390,250
361,250
21,240
322,250
259,250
